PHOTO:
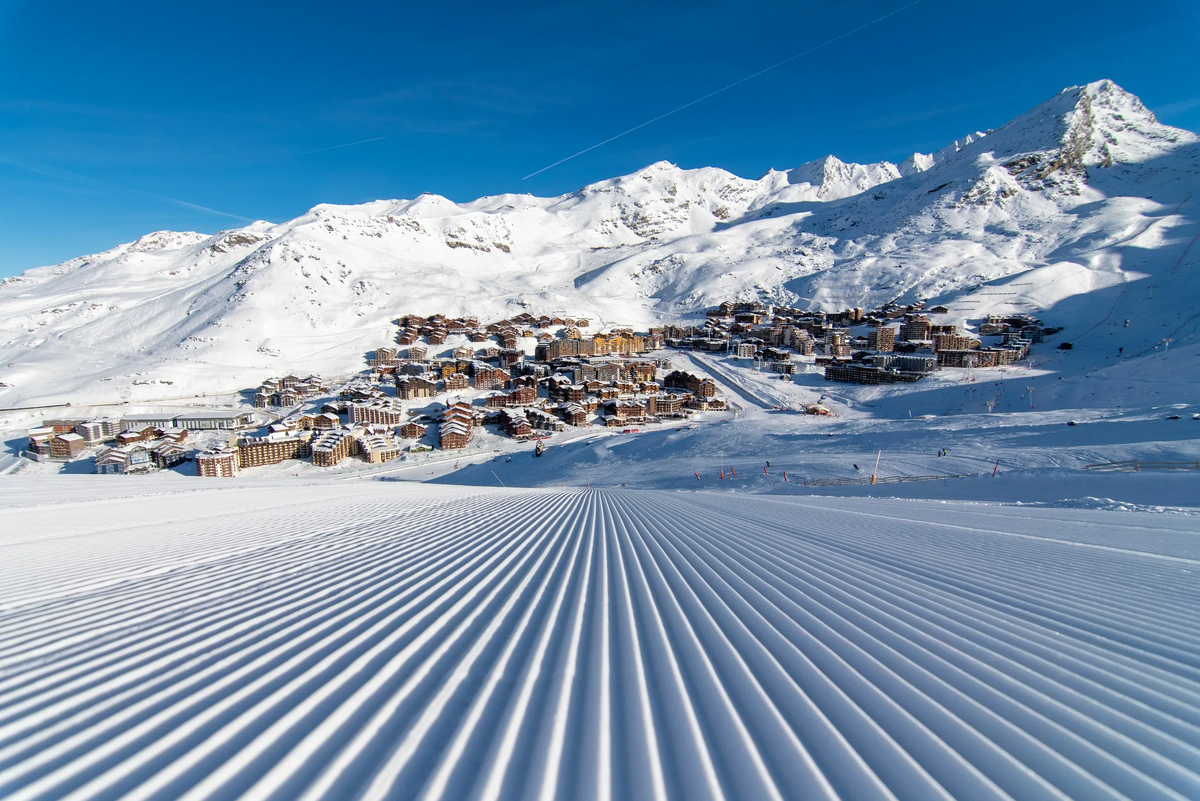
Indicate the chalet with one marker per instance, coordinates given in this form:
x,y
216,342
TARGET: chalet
x,y
454,435
457,382
626,410
124,460
455,429
573,414
515,424
143,434
544,421
704,404
325,421
701,387
167,454
411,430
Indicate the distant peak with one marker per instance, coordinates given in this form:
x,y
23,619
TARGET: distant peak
x,y
837,179
917,162
166,240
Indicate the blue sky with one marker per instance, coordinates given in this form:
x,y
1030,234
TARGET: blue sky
x,y
117,119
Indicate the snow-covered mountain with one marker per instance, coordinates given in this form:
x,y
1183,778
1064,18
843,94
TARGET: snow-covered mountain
x,y
1080,210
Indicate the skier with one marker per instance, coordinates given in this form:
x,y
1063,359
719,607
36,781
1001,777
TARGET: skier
x,y
857,469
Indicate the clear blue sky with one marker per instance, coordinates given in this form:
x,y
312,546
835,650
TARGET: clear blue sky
x,y
115,116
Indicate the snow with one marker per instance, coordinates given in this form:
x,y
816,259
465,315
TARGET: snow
x,y
375,639
1088,184
681,612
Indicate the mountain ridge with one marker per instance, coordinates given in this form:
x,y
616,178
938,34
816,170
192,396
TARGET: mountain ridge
x,y
1067,181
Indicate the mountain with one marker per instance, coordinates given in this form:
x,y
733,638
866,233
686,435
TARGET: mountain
x,y
1086,199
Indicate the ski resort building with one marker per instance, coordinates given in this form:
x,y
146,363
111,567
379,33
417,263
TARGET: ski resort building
x,y
220,463
881,338
64,447
866,374
378,448
411,387
455,429
411,430
381,411
332,447
196,421
272,449
983,357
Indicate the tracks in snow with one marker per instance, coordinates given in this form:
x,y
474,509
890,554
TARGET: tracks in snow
x,y
604,644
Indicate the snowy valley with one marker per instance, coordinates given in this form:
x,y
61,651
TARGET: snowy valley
x,y
1080,210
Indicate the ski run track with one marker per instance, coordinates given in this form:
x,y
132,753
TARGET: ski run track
x,y
414,641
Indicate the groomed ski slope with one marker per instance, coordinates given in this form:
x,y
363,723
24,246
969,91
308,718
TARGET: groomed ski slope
x,y
396,641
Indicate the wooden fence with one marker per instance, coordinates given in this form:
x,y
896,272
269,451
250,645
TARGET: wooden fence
x,y
1137,465
853,482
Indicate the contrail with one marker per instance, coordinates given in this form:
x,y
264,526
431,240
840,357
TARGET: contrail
x,y
67,175
722,89
331,147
